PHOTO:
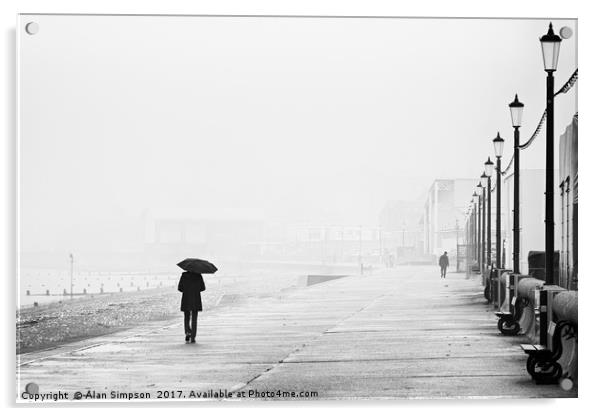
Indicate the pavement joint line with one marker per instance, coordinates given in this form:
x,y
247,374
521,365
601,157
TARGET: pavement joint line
x,y
343,360
438,375
237,387
384,331
243,385
521,374
150,330
299,348
272,366
64,353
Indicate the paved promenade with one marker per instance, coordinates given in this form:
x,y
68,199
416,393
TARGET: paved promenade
x,y
398,333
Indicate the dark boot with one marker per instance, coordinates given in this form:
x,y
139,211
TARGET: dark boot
x,y
187,329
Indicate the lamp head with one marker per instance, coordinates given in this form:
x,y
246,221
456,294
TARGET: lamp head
x,y
488,167
483,180
498,145
516,111
550,48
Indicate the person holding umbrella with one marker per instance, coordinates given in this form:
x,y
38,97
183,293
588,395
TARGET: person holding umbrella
x,y
191,285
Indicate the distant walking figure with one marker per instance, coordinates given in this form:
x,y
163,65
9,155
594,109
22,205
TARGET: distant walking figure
x,y
443,263
191,285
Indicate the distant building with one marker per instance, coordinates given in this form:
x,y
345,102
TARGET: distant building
x,y
333,243
401,230
443,214
187,233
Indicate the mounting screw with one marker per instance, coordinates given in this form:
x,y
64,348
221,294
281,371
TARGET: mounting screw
x,y
32,388
566,384
32,28
566,32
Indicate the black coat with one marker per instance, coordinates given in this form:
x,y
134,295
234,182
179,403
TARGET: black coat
x,y
444,261
191,285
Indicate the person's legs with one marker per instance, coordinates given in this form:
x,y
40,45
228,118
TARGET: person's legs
x,y
444,271
187,323
441,271
195,315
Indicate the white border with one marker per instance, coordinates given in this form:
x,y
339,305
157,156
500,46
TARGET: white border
x,y
589,57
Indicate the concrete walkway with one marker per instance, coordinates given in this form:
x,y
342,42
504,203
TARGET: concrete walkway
x,y
398,333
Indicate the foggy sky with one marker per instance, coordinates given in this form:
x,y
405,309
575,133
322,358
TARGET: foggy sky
x,y
296,120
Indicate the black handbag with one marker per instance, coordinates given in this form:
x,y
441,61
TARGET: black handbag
x,y
202,284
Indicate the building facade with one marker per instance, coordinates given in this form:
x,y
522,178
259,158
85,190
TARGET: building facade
x,y
443,215
401,231
568,184
532,215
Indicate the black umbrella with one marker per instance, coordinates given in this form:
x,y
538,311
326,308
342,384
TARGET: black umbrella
x,y
197,266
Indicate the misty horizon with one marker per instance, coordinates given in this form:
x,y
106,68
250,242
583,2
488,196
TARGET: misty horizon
x,y
309,121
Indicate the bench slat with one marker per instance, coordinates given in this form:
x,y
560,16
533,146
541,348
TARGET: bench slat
x,y
533,347
528,347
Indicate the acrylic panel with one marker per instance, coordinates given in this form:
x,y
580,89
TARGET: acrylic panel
x,y
324,165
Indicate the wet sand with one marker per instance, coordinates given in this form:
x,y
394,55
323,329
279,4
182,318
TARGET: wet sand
x,y
50,325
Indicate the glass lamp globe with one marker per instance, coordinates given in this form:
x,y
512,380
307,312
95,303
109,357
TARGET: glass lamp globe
x,y
516,111
550,48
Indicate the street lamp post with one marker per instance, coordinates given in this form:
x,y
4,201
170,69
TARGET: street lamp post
x,y
488,172
360,254
473,224
550,48
484,220
465,234
476,212
457,246
403,235
481,230
71,280
516,114
498,146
